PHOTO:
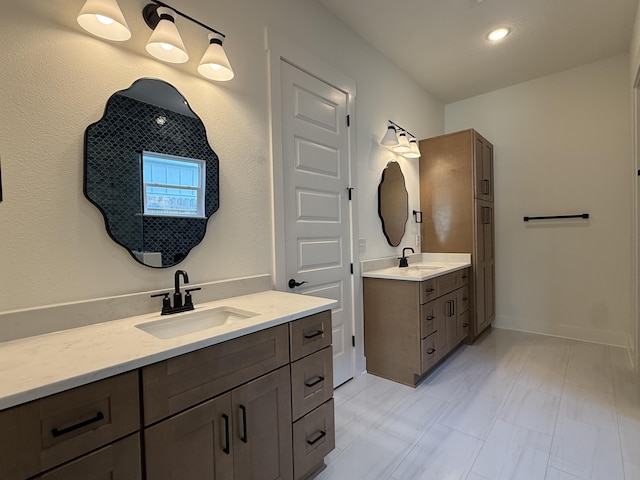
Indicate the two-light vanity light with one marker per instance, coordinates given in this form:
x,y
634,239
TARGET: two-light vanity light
x,y
104,19
400,141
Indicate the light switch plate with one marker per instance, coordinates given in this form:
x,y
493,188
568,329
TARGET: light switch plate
x,y
362,245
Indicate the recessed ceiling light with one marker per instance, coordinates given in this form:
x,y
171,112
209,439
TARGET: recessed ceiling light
x,y
498,34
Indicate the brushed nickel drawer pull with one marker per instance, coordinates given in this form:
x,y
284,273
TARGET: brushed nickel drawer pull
x,y
430,351
320,379
313,335
57,433
317,439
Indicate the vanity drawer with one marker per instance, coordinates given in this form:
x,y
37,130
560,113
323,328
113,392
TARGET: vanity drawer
x,y
428,319
447,283
178,383
311,382
427,290
428,352
313,439
464,277
463,325
118,461
45,433
463,299
310,334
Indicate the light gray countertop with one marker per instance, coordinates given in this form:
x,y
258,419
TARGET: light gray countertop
x,y
421,267
42,365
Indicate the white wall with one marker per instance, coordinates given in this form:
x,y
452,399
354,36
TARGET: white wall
x,y
562,146
55,80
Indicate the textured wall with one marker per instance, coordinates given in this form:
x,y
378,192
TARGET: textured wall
x,y
562,146
55,81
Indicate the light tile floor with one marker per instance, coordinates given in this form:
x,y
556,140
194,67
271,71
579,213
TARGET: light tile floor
x,y
513,406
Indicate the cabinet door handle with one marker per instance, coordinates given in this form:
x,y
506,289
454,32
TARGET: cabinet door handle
x,y
243,411
319,379
59,432
313,335
430,317
487,215
430,290
485,187
465,325
227,443
317,439
430,351
465,299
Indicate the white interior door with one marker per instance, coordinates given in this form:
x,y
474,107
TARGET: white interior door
x,y
316,201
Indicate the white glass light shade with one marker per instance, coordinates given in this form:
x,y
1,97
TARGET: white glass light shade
x,y
403,143
104,19
414,151
165,42
215,64
391,137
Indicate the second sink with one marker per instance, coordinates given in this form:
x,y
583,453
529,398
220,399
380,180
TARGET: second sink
x,y
190,322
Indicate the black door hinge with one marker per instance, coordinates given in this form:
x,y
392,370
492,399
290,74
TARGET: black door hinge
x,y
349,189
353,340
348,120
352,269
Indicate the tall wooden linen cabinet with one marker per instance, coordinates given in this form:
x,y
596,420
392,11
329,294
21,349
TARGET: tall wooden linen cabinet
x,y
456,198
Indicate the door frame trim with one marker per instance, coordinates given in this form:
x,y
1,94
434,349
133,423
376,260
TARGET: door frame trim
x,y
279,48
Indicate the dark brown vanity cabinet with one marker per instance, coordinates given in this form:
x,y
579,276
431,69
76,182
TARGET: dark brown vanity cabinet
x,y
456,197
410,326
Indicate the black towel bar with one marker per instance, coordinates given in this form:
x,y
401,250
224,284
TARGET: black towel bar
x,y
581,215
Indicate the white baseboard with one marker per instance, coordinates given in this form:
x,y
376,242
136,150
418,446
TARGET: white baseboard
x,y
604,337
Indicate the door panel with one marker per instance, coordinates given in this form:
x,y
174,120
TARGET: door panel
x,y
317,212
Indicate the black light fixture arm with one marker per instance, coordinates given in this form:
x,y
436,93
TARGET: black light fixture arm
x,y
151,16
398,127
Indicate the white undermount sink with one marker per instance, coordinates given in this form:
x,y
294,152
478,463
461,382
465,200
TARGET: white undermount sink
x,y
179,324
424,268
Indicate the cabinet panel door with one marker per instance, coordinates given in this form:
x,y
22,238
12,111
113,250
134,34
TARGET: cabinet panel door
x,y
193,445
483,152
118,461
446,324
180,382
262,428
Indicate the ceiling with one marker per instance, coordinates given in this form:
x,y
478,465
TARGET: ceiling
x,y
442,43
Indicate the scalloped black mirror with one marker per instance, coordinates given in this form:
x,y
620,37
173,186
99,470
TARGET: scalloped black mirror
x,y
393,200
149,169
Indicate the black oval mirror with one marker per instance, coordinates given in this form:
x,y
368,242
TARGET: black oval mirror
x,y
149,169
393,200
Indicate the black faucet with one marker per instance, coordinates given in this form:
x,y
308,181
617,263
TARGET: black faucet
x,y
178,305
404,262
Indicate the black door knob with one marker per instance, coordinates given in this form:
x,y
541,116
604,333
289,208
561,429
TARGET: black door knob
x,y
294,284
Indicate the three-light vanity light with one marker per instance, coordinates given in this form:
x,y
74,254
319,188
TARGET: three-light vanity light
x,y
104,19
400,141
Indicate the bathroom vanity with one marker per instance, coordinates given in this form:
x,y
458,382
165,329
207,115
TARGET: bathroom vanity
x,y
415,316
250,397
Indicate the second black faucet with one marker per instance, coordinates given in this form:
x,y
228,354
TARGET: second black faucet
x,y
178,304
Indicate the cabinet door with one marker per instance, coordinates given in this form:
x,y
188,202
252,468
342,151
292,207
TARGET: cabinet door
x,y
262,428
447,324
483,151
118,461
484,271
193,445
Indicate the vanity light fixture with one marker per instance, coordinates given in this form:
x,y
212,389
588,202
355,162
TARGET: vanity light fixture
x,y
215,64
400,141
414,151
104,19
390,138
165,42
403,143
